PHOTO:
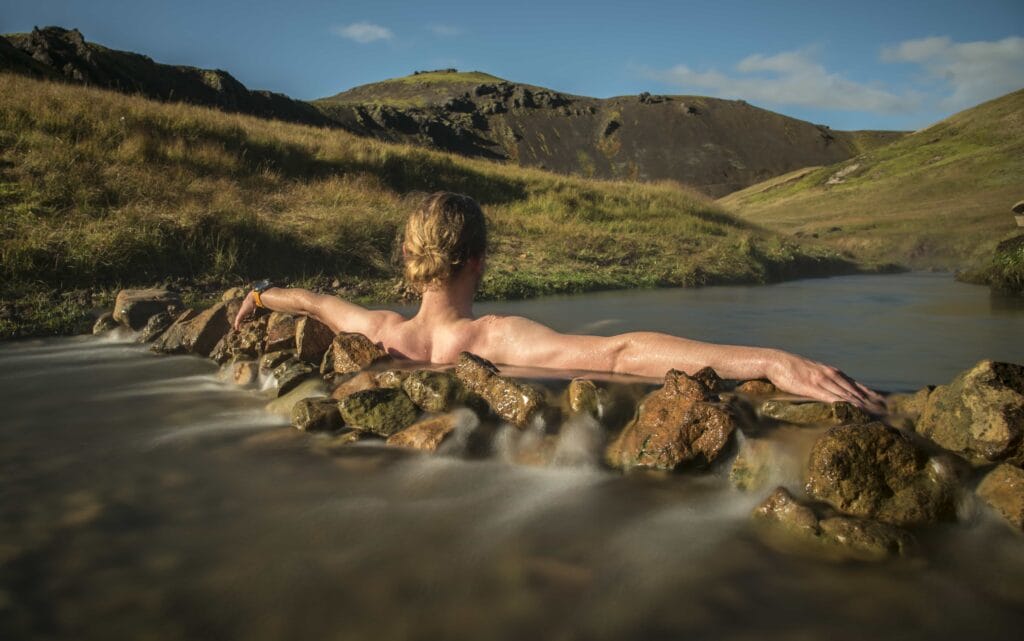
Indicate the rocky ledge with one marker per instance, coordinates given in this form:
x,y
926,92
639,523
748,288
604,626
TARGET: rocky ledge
x,y
868,485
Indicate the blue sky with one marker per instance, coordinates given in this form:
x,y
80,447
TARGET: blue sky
x,y
850,65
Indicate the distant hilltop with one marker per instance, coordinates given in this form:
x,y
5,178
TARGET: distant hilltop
x,y
716,146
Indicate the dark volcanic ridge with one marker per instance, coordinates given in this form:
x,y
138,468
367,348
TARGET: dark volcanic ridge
x,y
716,146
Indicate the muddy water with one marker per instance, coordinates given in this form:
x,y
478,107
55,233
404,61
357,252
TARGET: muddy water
x,y
142,498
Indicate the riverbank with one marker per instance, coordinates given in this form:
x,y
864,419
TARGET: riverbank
x,y
101,191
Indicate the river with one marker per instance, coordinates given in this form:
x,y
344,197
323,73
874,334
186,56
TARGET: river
x,y
143,498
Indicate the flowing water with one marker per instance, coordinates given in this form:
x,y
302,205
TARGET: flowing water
x,y
142,498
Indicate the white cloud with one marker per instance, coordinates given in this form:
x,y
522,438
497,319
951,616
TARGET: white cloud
x,y
789,78
363,32
972,71
444,30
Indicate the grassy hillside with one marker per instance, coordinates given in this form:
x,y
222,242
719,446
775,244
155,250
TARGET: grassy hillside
x,y
99,190
939,197
414,90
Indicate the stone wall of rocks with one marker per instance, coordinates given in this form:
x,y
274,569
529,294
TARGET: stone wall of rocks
x,y
871,484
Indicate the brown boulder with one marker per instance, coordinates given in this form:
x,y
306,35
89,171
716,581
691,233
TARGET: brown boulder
x,y
979,415
243,372
432,391
270,360
290,373
155,326
312,338
280,332
359,382
390,378
675,425
354,352
876,471
245,342
198,335
798,527
133,307
1003,490
584,397
512,401
756,387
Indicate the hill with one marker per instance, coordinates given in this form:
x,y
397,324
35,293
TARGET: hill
x,y
57,53
938,198
716,146
99,190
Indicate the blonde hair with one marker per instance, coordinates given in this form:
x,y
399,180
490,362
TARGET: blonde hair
x,y
442,234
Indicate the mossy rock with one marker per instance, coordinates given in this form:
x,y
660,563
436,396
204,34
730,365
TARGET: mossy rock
x,y
381,411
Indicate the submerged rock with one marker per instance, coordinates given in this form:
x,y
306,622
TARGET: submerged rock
x,y
271,360
381,411
428,434
134,307
316,415
798,527
105,323
432,391
675,425
979,415
757,387
282,405
354,352
876,471
1003,490
312,338
242,372
361,381
197,335
814,413
757,461
512,401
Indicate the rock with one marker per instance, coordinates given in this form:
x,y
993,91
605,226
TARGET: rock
x,y
282,405
245,342
354,352
905,409
710,379
243,372
280,332
584,397
155,326
271,360
312,338
1018,207
979,415
381,411
754,463
797,527
432,391
134,307
512,401
290,373
357,383
316,415
814,413
675,425
1003,490
198,335
234,293
390,378
757,387
876,471
104,324
427,435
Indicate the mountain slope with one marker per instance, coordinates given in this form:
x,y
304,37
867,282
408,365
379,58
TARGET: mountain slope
x,y
716,146
939,197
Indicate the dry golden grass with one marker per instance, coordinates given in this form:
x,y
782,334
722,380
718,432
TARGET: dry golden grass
x,y
100,190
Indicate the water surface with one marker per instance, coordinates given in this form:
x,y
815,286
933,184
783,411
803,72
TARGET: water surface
x,y
142,498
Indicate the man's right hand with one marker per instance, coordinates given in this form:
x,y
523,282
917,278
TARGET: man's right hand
x,y
245,311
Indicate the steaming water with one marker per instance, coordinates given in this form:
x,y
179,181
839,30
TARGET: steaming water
x,y
143,498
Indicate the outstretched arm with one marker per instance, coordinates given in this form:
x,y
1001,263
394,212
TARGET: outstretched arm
x,y
520,341
339,315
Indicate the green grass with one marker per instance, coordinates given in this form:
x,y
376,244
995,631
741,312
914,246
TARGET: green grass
x,y
100,191
939,197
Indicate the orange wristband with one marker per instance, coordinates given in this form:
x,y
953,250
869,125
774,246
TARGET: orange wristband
x,y
256,299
